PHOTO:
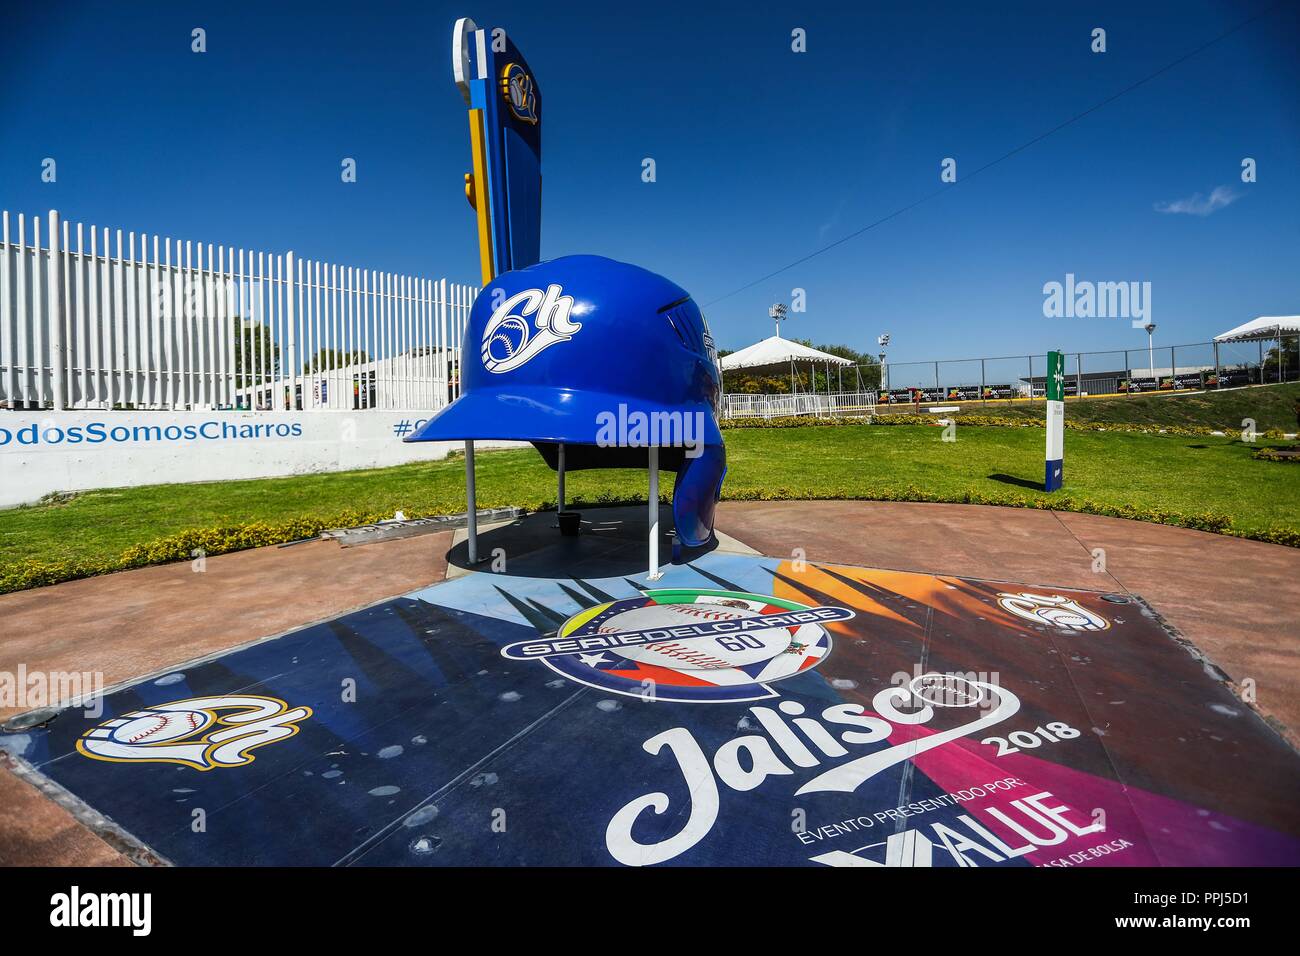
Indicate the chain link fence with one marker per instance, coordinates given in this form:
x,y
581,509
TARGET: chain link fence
x,y
1118,373
1199,366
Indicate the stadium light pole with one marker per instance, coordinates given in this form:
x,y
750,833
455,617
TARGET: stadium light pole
x,y
777,312
1151,354
883,342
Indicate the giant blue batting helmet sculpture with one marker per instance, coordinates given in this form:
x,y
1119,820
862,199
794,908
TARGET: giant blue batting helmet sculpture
x,y
583,351
602,357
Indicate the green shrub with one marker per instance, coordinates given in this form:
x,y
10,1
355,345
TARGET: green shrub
x,y
1269,453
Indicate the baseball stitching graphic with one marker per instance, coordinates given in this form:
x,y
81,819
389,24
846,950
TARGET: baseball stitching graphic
x,y
511,335
1055,611
157,726
697,653
947,690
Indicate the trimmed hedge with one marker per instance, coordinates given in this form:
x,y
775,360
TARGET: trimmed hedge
x,y
179,547
223,539
22,575
1271,454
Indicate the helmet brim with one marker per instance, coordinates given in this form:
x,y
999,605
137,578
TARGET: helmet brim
x,y
563,415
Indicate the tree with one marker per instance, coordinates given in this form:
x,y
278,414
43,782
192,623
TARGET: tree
x,y
327,359
257,357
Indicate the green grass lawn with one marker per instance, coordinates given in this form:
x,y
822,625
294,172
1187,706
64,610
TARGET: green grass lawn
x,y
1271,406
1188,475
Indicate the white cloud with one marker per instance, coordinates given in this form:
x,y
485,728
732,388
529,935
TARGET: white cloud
x,y
1199,204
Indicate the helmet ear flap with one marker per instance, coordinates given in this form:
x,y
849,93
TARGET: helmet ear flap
x,y
696,494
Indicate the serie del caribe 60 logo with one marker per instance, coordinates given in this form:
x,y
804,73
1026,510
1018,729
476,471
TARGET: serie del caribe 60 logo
x,y
687,644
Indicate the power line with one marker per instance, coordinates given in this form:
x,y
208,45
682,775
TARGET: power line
x,y
1005,156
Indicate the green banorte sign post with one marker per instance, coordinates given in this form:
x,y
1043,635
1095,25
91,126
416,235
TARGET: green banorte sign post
x,y
1054,474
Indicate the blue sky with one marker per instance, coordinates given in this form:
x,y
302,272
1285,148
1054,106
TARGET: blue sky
x,y
763,155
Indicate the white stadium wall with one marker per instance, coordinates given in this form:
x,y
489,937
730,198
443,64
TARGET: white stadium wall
x,y
128,359
43,451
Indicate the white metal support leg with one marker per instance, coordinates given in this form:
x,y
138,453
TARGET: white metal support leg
x,y
654,574
560,478
471,504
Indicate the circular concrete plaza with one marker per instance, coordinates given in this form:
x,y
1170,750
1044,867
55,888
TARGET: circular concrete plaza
x,y
937,685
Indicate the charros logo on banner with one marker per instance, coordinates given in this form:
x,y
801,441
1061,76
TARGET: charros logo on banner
x,y
687,644
202,732
1054,610
520,93
509,340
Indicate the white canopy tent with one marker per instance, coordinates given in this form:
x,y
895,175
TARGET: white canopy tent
x,y
775,350
1264,328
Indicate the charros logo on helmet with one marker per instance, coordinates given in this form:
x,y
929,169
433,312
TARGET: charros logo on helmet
x,y
510,341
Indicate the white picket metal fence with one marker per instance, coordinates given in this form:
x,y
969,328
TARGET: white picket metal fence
x,y
98,318
741,405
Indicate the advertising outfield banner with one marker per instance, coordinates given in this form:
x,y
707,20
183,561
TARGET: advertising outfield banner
x,y
44,452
